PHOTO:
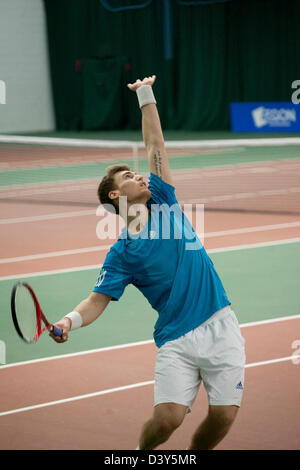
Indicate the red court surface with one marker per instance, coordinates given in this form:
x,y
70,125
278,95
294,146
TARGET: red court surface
x,y
52,238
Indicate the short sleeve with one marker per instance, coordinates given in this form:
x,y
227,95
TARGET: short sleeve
x,y
161,192
113,277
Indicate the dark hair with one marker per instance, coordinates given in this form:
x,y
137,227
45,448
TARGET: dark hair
x,y
108,184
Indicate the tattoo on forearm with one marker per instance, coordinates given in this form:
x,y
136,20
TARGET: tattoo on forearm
x,y
158,163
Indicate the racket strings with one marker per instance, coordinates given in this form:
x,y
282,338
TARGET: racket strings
x,y
27,314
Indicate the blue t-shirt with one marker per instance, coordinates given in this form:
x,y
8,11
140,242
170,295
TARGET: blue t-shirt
x,y
168,264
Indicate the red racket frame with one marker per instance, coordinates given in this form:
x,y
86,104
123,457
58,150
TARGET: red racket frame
x,y
40,316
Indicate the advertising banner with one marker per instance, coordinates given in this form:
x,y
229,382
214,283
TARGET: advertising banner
x,y
265,117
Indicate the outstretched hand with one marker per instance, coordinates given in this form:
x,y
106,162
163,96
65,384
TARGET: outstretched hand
x,y
138,83
65,325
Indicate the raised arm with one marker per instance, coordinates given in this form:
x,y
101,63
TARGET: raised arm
x,y
85,313
151,128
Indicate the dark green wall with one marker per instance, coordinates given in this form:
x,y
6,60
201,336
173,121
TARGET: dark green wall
x,y
238,50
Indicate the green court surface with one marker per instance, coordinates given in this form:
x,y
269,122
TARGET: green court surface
x,y
208,158
262,283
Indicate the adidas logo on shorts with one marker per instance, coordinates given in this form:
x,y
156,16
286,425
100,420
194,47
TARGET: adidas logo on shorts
x,y
239,386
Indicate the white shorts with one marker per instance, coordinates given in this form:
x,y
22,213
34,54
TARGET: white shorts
x,y
214,352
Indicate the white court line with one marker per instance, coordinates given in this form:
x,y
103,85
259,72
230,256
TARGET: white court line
x,y
254,245
221,233
54,254
125,387
21,190
96,266
224,197
258,228
249,195
79,397
270,320
138,343
38,218
80,353
52,272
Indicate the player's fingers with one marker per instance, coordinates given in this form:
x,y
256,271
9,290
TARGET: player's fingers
x,y
59,339
149,80
65,336
133,86
138,82
152,79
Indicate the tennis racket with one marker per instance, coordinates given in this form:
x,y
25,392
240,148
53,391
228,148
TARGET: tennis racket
x,y
27,314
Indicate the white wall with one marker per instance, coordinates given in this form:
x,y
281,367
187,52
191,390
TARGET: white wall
x,y
24,68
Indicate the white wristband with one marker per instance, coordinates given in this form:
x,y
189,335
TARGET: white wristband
x,y
145,95
76,320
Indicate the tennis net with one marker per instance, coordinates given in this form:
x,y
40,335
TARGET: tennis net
x,y
234,175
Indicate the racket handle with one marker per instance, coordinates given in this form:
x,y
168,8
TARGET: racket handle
x,y
56,331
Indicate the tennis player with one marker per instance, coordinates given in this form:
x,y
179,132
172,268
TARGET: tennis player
x,y
197,333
